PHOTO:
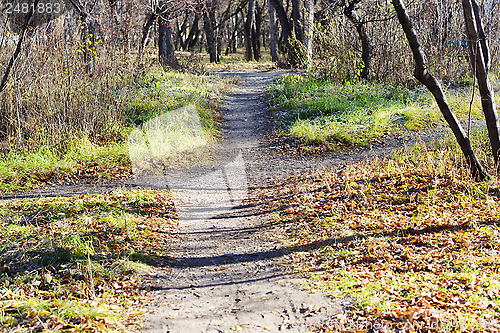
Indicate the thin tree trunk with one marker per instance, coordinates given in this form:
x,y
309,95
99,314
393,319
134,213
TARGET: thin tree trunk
x,y
273,32
231,47
480,59
422,75
194,33
309,31
146,31
286,31
179,41
88,40
257,32
248,30
166,49
297,22
365,40
209,25
17,51
482,36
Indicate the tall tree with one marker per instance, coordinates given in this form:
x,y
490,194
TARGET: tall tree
x,y
423,76
273,32
297,20
351,14
248,30
286,31
309,30
480,59
166,49
257,30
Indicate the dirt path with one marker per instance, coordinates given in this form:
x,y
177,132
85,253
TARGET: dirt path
x,y
227,273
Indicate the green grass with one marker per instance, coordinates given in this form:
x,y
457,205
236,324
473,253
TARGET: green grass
x,y
82,155
354,113
74,262
26,170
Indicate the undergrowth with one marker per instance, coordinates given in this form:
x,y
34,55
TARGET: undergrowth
x,y
73,264
62,154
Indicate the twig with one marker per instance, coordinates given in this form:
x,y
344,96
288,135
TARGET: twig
x,y
91,276
14,57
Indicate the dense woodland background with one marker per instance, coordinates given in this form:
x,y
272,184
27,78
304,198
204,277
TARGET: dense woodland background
x,y
74,73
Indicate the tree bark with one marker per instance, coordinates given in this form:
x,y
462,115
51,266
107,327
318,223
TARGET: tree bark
x,y
351,14
309,31
286,31
146,31
422,75
88,49
194,33
179,41
480,59
257,32
482,36
209,25
166,49
297,21
233,42
248,30
273,32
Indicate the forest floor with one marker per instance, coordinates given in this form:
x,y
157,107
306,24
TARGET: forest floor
x,y
231,272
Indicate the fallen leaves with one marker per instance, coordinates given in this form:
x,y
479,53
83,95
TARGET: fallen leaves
x,y
411,246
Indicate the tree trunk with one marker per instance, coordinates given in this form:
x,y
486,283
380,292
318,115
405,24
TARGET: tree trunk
x,y
146,31
286,31
194,33
297,21
88,49
351,14
233,42
273,32
166,49
209,25
181,31
257,32
480,59
422,75
17,51
309,31
248,30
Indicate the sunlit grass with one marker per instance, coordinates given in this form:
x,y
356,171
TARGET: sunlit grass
x,y
155,93
74,262
355,113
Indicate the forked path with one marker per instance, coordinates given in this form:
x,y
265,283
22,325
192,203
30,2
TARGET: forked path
x,y
227,272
